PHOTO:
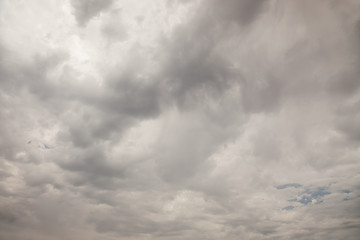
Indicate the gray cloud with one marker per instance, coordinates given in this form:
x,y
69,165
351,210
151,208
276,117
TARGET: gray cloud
x,y
181,120
241,12
85,10
113,28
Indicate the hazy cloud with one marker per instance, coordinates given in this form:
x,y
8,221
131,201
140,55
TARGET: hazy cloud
x,y
179,120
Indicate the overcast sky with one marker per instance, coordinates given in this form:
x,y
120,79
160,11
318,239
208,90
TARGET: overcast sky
x,y
179,119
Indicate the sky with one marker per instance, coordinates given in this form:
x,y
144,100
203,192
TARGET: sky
x,y
179,119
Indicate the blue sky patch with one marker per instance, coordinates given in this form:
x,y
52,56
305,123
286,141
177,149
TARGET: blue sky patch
x,y
308,196
288,185
346,191
288,208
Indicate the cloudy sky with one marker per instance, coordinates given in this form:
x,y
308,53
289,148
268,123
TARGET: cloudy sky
x,y
179,119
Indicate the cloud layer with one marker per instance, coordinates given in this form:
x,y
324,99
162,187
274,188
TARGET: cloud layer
x,y
179,119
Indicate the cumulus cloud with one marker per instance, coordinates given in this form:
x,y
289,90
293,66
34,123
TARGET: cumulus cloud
x,y
179,120
85,10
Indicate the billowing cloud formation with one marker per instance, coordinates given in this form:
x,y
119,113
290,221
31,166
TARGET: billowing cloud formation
x,y
85,10
179,119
